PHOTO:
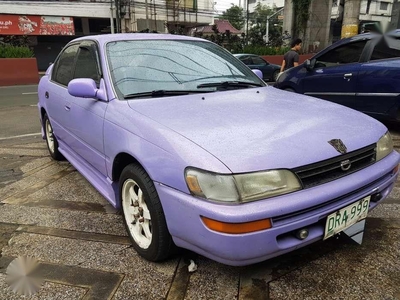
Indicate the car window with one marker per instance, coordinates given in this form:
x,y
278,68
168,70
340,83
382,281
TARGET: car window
x,y
86,65
382,50
64,65
143,66
246,60
258,60
346,54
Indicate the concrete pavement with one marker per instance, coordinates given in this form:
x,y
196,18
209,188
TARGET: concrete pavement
x,y
49,211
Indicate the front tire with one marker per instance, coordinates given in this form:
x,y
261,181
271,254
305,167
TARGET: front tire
x,y
143,215
275,75
51,140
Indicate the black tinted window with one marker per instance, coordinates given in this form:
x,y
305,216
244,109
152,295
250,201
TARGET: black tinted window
x,y
86,65
257,60
382,50
64,65
246,60
342,55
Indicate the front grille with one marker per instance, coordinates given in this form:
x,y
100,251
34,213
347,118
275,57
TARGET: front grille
x,y
300,213
331,169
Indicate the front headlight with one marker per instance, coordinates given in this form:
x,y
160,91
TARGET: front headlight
x,y
384,146
242,187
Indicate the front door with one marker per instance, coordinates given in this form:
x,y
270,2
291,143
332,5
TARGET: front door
x,y
87,123
335,73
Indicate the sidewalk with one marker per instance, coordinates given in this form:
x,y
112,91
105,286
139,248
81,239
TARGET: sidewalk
x,y
50,212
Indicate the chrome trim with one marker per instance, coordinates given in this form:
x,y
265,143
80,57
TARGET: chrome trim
x,y
378,94
330,94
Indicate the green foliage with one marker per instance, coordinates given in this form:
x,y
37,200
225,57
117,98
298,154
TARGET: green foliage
x,y
257,28
229,41
10,51
235,15
260,14
16,40
301,12
263,50
12,46
254,43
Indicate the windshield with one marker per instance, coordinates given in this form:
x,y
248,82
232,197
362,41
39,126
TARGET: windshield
x,y
143,66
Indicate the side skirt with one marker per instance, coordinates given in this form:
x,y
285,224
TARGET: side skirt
x,y
103,184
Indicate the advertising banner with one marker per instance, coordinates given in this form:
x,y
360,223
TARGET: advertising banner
x,y
36,25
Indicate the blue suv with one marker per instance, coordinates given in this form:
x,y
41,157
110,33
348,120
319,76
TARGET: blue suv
x,y
362,72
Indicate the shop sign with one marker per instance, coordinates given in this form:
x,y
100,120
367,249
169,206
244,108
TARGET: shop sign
x,y
36,25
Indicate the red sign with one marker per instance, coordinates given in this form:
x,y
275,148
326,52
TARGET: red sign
x,y
36,25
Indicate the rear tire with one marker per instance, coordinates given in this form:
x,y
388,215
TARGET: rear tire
x,y
143,214
51,140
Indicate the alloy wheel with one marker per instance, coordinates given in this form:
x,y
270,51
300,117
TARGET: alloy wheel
x,y
137,214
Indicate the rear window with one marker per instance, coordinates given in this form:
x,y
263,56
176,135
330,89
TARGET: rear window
x,y
383,51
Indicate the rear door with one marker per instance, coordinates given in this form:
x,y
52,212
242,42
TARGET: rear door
x,y
378,86
335,74
262,65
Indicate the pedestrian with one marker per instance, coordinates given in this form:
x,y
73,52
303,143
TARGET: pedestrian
x,y
291,58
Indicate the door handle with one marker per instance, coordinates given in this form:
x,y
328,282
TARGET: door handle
x,y
46,94
348,75
67,107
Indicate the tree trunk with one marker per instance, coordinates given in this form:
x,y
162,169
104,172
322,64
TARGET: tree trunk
x,y
351,18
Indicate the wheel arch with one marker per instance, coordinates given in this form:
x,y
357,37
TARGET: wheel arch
x,y
42,113
120,161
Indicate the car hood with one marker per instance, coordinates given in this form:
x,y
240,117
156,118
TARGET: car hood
x,y
262,128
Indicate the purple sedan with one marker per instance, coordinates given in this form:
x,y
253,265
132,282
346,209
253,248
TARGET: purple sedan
x,y
199,153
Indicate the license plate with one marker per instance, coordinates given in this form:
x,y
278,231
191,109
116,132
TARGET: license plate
x,y
347,216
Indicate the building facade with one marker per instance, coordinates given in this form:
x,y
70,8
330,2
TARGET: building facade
x,y
371,11
53,23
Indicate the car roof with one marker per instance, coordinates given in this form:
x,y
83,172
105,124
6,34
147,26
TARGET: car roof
x,y
368,36
106,38
244,54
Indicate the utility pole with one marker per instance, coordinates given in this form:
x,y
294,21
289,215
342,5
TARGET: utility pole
x,y
147,15
117,16
247,22
351,18
112,16
155,15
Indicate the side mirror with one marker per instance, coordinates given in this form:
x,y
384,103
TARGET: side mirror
x,y
258,73
82,87
310,64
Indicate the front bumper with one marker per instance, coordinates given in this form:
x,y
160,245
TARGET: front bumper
x,y
289,213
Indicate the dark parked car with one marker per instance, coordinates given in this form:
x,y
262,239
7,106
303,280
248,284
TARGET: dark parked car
x,y
362,72
270,71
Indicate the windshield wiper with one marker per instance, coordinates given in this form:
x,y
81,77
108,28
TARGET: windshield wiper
x,y
161,93
226,84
